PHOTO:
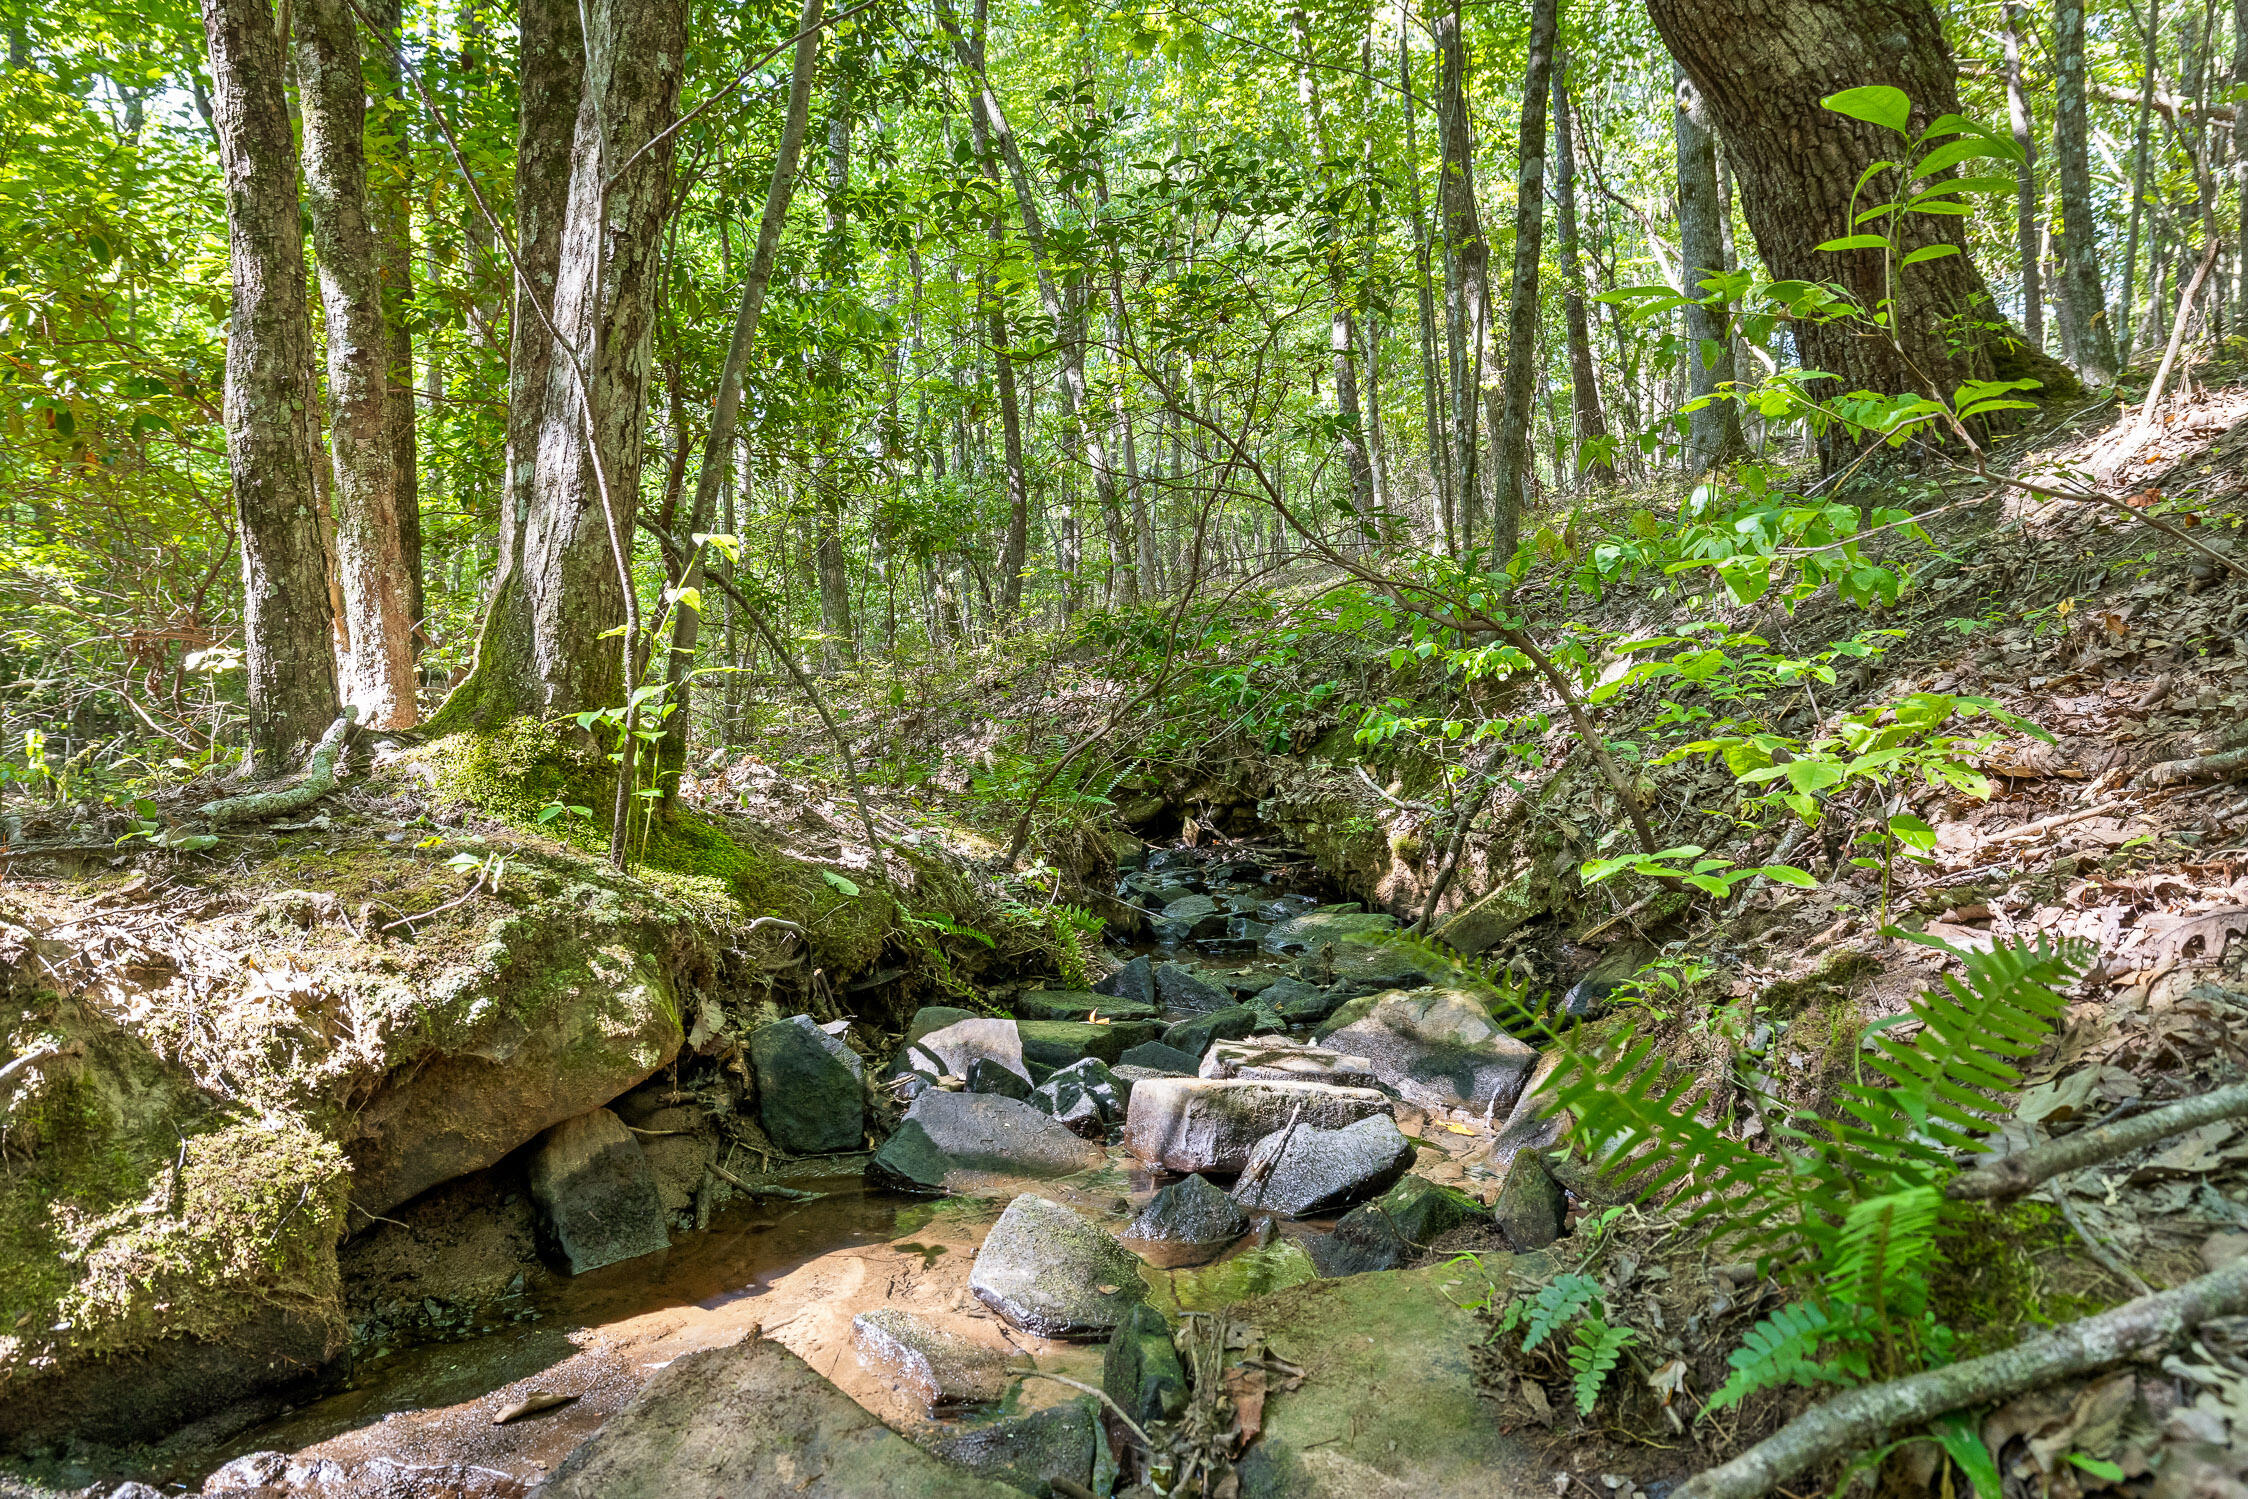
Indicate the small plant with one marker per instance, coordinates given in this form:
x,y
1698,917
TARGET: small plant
x,y
1571,1304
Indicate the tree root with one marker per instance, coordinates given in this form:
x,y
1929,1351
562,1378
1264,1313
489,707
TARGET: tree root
x,y
2013,1175
1862,1418
319,780
2226,765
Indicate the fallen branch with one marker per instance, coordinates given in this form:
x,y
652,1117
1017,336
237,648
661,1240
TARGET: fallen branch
x,y
319,780
2058,819
2011,1176
790,1194
1865,1417
2094,497
2225,765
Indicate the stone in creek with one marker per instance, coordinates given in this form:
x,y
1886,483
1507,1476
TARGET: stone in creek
x,y
1057,1043
1392,1230
595,1193
1190,1212
1134,981
958,1046
1298,1003
809,1096
1053,1272
1179,987
1193,1037
1156,1057
1084,1097
935,1018
987,1076
1304,1171
753,1421
1315,929
1276,1059
1531,1210
1035,1453
947,1132
1437,1047
1074,1004
1141,1371
942,1369
1195,1124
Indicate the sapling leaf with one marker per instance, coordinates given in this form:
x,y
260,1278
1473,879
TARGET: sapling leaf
x,y
1876,104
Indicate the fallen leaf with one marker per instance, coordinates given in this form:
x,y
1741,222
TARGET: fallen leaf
x,y
1669,1380
531,1405
2212,929
1534,1396
2195,1154
1459,1129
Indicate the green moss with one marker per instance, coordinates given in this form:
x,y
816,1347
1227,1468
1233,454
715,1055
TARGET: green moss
x,y
1252,1272
1839,973
519,768
1987,1286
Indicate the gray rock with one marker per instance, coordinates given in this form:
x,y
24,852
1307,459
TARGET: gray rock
x,y
809,1098
1085,1098
753,1421
1590,997
1277,1059
1247,982
1531,1210
1052,1272
1155,1057
1134,981
1193,1037
947,1132
253,1469
1436,1047
1057,1043
1392,1230
596,1196
943,1370
1141,1371
935,1018
956,1047
1195,1124
988,1076
1031,1452
1190,1211
1179,987
1303,1171
135,1491
1314,929
1129,1075
1190,908
1078,1004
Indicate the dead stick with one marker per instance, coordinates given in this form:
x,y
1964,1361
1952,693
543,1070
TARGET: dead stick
x,y
2011,1176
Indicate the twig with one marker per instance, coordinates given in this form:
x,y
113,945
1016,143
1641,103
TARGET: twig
x,y
1864,1417
791,1194
2143,517
2099,1251
2225,765
463,898
1625,914
2058,819
319,780
2012,1175
36,1054
1129,1424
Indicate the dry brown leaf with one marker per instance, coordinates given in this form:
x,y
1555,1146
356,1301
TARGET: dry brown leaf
x,y
2212,929
531,1405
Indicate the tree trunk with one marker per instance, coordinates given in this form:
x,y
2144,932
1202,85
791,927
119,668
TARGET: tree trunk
x,y
839,644
2132,322
1584,386
390,191
2077,250
2026,236
379,674
1467,286
1432,380
1510,436
1714,432
292,673
1763,66
1342,337
1015,550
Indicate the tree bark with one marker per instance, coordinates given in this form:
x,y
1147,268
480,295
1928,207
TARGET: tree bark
x,y
1714,432
1763,66
292,674
2132,321
2089,333
839,643
1467,286
1342,334
1510,435
2026,235
378,676
390,191
1591,421
1432,381
1014,551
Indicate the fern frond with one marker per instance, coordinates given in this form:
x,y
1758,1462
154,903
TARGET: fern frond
x,y
1557,1301
1782,1349
1593,1351
1880,1256
1637,1120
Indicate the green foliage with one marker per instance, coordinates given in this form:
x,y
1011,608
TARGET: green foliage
x,y
1594,1348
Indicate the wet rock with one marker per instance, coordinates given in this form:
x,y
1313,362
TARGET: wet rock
x,y
1436,1047
1284,991
947,1132
941,1369
1482,926
1303,1171
1057,1043
753,1421
1394,1229
1247,982
595,1193
1196,1124
135,1491
809,1095
1084,1097
1316,928
988,1076
1179,987
1369,968
1141,1371
1134,981
1052,1272
1531,1209
1589,997
1277,1059
677,1163
1530,1126
1032,1452
1076,1004
1192,1212
1156,1057
935,1018
1193,1037
1190,908
958,1046
249,1471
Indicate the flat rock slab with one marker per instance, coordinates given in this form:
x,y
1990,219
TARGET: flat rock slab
x,y
942,1370
1051,1271
1315,929
1032,1451
1275,1059
1154,1056
1199,1124
1078,1004
1193,1037
596,1193
1388,1408
947,1132
754,1421
1436,1047
1179,987
956,1047
1057,1043
1302,1171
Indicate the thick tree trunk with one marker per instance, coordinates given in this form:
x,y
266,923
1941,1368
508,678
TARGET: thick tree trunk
x,y
1015,549
379,673
292,673
1467,286
839,642
1510,436
1763,66
2140,160
1714,432
2089,333
1432,381
390,192
2026,236
1584,386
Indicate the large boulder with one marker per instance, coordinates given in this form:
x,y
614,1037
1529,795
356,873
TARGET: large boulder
x,y
1051,1271
1394,1229
1277,1059
1301,1171
810,1096
1036,1453
1328,924
1057,1043
1191,1218
1196,1124
596,1195
754,1421
954,1048
1078,1004
1180,987
1436,1047
1141,1371
943,1133
942,1369
1193,1037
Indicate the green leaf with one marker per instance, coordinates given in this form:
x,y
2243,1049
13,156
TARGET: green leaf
x,y
2097,1467
1876,104
839,882
1956,1434
1967,148
1593,1352
1788,874
1912,832
1858,242
1929,252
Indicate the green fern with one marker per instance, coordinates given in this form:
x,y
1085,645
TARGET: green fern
x,y
1594,1349
1546,1313
1783,1349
